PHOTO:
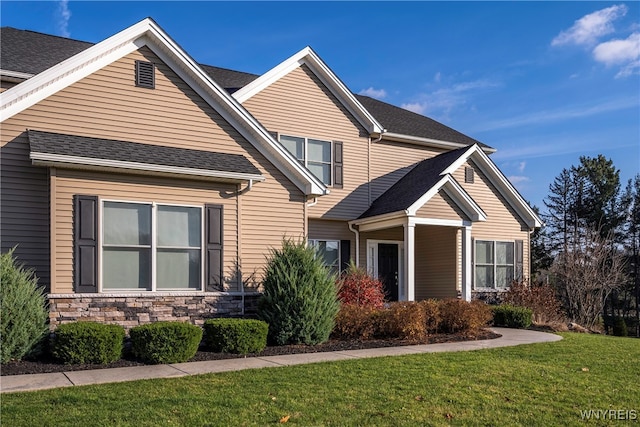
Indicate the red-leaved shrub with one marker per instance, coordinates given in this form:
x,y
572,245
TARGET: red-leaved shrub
x,y
357,287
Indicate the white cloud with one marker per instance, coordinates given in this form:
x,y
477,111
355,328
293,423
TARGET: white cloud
x,y
374,93
521,166
618,51
629,69
518,179
416,107
565,113
437,77
64,15
444,100
588,29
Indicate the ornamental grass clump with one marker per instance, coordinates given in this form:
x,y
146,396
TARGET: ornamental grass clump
x,y
23,310
299,300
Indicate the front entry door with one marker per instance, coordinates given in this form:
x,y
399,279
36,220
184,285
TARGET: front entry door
x,y
388,269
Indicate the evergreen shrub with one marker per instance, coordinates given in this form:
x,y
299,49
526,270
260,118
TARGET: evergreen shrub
x,y
240,336
87,342
299,300
23,310
165,342
512,316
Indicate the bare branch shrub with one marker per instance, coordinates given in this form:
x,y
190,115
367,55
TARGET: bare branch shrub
x,y
541,299
586,274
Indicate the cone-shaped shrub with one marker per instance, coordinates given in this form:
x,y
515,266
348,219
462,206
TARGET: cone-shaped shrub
x,y
23,310
300,300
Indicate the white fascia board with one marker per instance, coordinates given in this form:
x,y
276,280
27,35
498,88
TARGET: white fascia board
x,y
456,193
501,182
14,76
237,116
381,224
383,217
464,200
429,142
48,159
327,77
69,71
507,190
427,196
148,33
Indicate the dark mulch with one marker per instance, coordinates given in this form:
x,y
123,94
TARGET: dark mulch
x,y
45,364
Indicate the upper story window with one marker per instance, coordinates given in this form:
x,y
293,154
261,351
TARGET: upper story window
x,y
315,154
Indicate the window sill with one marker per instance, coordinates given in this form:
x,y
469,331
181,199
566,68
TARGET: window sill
x,y
138,294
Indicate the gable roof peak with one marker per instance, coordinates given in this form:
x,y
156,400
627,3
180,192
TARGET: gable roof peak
x,y
307,56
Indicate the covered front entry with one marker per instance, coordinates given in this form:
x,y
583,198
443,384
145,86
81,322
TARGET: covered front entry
x,y
429,264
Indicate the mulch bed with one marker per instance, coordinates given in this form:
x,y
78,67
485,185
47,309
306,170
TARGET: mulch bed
x,y
46,365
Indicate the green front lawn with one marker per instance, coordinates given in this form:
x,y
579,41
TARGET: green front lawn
x,y
540,384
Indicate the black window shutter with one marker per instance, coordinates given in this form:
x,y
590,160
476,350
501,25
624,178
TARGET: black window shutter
x,y
345,254
519,255
337,164
85,242
214,238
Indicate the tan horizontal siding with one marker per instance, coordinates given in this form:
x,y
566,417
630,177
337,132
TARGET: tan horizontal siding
x,y
441,207
332,230
134,189
300,105
107,105
4,85
395,233
502,223
436,262
390,161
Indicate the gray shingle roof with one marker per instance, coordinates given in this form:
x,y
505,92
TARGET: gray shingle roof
x,y
408,189
32,52
98,148
398,120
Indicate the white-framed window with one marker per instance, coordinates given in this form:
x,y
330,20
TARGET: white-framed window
x,y
150,246
315,154
494,264
329,250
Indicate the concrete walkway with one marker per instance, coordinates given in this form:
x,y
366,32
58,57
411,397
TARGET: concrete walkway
x,y
15,383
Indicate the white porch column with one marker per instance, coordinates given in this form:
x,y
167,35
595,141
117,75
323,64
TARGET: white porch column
x,y
467,270
409,261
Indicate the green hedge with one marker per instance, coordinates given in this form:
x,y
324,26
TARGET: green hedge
x,y
165,342
87,342
512,316
235,335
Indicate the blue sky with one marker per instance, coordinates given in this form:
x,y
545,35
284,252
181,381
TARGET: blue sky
x,y
542,82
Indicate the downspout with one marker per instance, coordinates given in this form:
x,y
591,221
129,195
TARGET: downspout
x,y
369,164
357,233
315,202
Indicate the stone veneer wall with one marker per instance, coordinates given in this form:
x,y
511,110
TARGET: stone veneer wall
x,y
131,310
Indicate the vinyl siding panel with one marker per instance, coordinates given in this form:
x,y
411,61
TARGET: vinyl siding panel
x,y
108,105
390,161
395,233
135,189
441,207
300,105
436,262
502,223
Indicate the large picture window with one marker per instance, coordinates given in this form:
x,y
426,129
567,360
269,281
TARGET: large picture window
x,y
151,247
315,154
494,264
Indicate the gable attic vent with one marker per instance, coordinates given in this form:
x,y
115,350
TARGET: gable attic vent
x,y
468,175
145,74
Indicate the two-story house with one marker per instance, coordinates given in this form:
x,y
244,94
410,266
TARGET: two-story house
x,y
142,185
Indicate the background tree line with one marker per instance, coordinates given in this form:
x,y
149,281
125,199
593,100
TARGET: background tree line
x,y
588,248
